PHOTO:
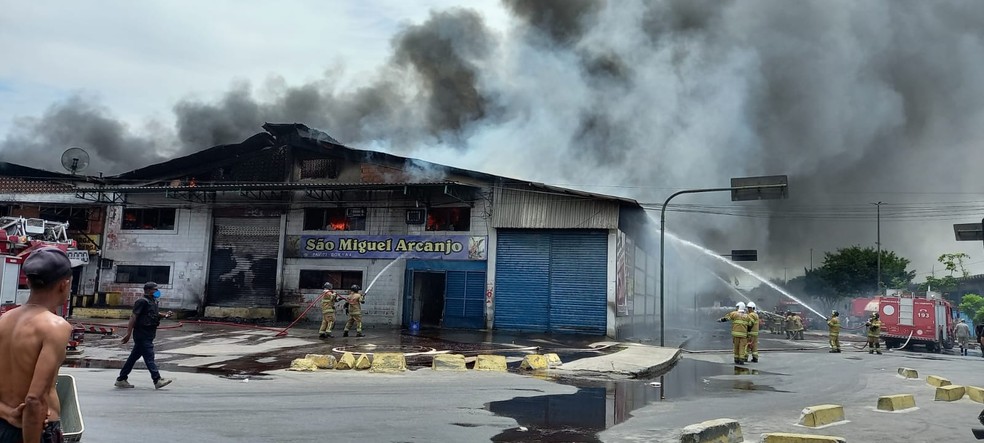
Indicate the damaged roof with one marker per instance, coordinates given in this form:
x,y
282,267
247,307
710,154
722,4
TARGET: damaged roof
x,y
301,137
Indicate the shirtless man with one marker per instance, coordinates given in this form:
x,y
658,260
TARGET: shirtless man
x,y
32,348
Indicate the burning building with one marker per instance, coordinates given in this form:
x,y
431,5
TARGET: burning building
x,y
255,229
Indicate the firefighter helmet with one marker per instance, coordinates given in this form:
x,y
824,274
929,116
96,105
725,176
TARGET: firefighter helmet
x,y
327,285
751,305
835,314
355,288
740,305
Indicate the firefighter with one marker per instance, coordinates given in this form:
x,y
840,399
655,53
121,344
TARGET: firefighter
x,y
788,325
753,332
797,327
835,328
328,300
739,331
962,333
874,333
354,310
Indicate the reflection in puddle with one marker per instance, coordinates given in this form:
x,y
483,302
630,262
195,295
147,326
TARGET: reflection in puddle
x,y
600,404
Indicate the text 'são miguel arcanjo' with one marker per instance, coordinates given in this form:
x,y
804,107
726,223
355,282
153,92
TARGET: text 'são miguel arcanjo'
x,y
446,247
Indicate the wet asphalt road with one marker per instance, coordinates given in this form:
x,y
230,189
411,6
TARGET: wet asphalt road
x,y
426,406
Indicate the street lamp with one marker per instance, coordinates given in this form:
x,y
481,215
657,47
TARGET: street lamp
x,y
878,244
748,188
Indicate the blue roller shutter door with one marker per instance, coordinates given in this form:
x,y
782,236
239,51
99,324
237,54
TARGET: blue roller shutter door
x,y
522,289
578,286
464,300
552,280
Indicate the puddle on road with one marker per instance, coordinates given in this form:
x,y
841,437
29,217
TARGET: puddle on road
x,y
599,404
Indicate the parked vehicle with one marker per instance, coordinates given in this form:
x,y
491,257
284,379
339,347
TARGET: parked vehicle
x,y
911,320
18,237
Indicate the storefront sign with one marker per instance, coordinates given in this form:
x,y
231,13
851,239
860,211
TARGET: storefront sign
x,y
78,257
432,247
88,242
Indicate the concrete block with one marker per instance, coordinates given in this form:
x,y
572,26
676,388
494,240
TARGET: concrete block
x,y
821,415
347,361
534,362
490,363
553,360
302,364
363,362
722,430
449,362
937,381
896,402
389,362
783,437
322,361
908,373
950,393
975,393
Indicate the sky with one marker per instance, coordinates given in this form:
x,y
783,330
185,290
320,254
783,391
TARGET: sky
x,y
857,102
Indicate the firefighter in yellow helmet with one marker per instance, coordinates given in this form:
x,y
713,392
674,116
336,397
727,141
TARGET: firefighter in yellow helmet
x,y
874,333
753,332
739,331
834,324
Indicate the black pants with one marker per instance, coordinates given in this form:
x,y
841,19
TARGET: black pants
x,y
52,433
142,347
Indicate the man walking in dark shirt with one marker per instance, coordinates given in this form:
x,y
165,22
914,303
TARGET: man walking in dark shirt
x,y
143,324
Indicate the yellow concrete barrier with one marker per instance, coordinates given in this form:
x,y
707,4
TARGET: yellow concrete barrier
x,y
495,363
347,361
534,362
322,361
950,393
821,415
783,437
449,362
937,381
102,313
388,362
363,362
302,364
896,402
722,430
908,373
553,360
975,393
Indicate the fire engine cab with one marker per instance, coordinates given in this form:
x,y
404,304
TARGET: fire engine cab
x,y
929,321
18,237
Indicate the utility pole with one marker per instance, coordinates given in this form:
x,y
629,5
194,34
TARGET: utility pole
x,y
811,259
878,242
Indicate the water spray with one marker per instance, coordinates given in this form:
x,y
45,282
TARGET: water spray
x,y
743,269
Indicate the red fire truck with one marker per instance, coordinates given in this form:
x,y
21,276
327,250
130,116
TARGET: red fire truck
x,y
928,321
18,237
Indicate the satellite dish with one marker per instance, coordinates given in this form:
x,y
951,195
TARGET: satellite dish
x,y
75,160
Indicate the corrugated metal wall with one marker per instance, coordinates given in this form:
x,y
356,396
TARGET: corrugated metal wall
x,y
542,209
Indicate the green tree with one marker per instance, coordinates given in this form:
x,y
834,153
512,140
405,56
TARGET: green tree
x,y
946,283
854,270
973,306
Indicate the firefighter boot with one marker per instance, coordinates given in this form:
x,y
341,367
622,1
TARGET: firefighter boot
x,y
755,359
344,333
878,350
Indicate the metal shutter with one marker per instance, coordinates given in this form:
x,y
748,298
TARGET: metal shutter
x,y
464,300
522,290
578,286
243,266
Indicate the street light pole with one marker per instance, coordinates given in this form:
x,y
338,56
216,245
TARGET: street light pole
x,y
878,242
662,242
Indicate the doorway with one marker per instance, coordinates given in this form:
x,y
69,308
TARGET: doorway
x,y
428,298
